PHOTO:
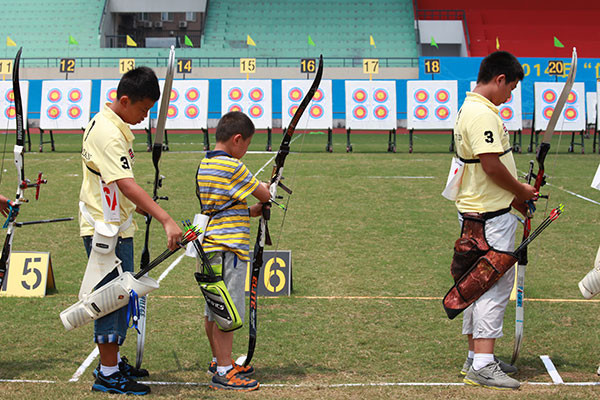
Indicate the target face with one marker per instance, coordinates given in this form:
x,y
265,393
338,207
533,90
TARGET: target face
x,y
192,111
10,113
572,97
54,95
235,107
53,112
549,96
421,112
316,111
360,112
359,95
235,94
256,111
570,114
319,95
111,95
292,110
506,113
192,95
74,112
10,96
172,111
257,94
442,113
296,94
381,112
174,95
421,96
442,96
75,95
548,111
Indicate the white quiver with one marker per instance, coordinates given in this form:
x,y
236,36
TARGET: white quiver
x,y
590,284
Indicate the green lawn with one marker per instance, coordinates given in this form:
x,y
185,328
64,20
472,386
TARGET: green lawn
x,y
371,240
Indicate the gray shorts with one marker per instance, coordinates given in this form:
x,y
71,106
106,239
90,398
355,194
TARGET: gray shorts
x,y
234,276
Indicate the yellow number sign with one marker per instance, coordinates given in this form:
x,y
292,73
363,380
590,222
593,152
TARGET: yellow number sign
x,y
126,64
67,65
6,67
370,66
29,274
247,65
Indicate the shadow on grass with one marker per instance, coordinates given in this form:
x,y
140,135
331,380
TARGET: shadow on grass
x,y
14,369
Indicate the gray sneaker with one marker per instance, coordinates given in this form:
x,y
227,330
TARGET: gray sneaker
x,y
491,376
505,367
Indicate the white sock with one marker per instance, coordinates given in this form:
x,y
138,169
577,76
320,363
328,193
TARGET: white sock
x,y
223,370
471,354
108,370
118,357
480,360
214,359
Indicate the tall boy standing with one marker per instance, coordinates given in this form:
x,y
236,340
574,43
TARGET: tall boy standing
x,y
489,187
223,184
109,195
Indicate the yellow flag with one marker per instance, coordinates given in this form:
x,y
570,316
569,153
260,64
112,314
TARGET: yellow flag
x,y
131,42
371,41
497,43
250,42
10,42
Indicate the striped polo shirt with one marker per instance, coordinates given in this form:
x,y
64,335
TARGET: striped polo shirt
x,y
222,185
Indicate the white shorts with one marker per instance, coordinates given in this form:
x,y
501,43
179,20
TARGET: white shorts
x,y
484,318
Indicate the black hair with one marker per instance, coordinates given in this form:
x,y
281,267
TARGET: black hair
x,y
139,84
231,124
498,63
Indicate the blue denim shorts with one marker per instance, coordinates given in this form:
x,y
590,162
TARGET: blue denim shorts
x,y
112,328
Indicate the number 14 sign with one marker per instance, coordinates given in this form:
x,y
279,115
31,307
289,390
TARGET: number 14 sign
x,y
29,274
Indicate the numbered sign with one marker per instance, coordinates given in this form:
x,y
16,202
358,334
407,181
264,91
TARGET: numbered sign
x,y
65,104
545,98
319,113
370,66
431,105
275,277
371,105
126,65
6,67
108,94
432,66
308,65
188,105
7,105
184,66
247,65
510,111
253,98
556,68
67,65
29,274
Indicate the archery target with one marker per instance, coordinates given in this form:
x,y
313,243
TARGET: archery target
x,y
108,94
371,105
431,104
65,104
318,114
7,105
252,97
591,102
545,98
188,104
510,111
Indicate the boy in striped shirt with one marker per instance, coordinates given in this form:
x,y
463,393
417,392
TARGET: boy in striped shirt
x,y
222,185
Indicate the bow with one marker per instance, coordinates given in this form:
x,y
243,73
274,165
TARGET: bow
x,y
263,236
540,181
156,154
23,183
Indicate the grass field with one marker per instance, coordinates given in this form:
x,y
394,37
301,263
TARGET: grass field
x,y
371,241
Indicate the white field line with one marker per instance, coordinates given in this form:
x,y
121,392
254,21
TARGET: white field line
x,y
401,177
272,158
556,378
575,194
323,386
92,356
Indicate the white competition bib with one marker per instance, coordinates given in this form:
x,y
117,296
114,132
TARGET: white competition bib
x,y
454,179
110,202
201,222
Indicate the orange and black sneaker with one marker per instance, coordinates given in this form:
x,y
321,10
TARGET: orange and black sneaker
x,y
242,370
212,368
233,381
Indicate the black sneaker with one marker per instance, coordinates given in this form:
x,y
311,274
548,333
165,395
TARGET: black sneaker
x,y
233,381
127,369
119,384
